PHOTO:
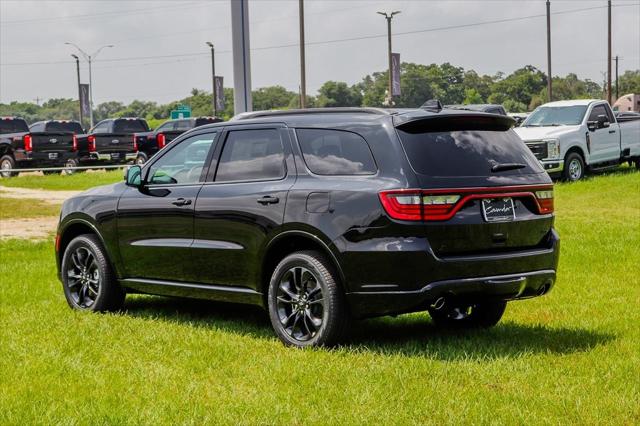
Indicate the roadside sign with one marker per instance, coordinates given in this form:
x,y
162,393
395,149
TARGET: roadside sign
x,y
182,111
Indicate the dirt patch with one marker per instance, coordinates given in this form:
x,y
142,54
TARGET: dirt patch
x,y
53,197
37,228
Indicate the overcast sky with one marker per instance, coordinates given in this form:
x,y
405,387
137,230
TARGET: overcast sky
x,y
149,37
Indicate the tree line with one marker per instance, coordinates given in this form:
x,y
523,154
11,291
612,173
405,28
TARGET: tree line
x,y
523,90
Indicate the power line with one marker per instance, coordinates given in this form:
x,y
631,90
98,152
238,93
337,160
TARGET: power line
x,y
322,42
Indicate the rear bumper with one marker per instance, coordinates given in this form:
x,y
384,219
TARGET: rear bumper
x,y
412,278
124,157
497,287
36,159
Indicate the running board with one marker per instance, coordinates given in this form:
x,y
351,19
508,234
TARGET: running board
x,y
193,290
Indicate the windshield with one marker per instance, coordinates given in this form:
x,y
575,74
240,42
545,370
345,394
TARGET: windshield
x,y
556,116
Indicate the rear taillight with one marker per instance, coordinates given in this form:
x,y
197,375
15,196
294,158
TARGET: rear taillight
x,y
135,142
545,201
74,146
92,143
161,140
28,142
443,204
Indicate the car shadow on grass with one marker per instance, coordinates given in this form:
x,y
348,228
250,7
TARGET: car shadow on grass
x,y
409,335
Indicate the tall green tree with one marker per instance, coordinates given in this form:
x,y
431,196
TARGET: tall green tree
x,y
338,94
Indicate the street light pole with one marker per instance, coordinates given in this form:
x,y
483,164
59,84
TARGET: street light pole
x,y
609,53
79,90
89,59
303,76
389,17
213,78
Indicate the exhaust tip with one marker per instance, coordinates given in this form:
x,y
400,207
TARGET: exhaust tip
x,y
438,304
543,289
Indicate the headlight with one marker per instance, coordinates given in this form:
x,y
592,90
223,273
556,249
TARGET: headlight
x,y
553,148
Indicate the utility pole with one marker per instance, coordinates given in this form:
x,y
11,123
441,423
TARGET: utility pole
x,y
89,59
389,17
303,77
549,78
617,94
79,91
609,53
213,78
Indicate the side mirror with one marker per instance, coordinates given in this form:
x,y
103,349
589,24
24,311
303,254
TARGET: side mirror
x,y
592,126
603,121
133,176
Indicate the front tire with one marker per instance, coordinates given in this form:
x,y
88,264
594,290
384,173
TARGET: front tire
x,y
477,315
306,305
88,280
7,163
573,167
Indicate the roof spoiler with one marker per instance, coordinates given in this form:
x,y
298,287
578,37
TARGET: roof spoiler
x,y
450,121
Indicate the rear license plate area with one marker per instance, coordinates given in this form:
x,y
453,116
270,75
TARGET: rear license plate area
x,y
53,156
115,155
498,209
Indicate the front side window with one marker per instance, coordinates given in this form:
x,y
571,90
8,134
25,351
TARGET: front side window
x,y
165,127
184,163
597,111
251,155
335,152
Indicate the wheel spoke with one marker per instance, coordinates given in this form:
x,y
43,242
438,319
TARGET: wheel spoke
x,y
317,289
287,319
76,261
306,326
88,260
295,322
283,300
91,289
297,278
315,302
288,292
317,322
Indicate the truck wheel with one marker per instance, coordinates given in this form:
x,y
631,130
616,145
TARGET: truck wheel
x,y
573,167
50,172
479,315
87,278
141,158
306,305
638,164
71,162
7,163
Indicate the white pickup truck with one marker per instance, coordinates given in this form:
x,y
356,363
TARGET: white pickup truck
x,y
571,137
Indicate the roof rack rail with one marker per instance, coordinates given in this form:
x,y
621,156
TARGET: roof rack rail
x,y
333,110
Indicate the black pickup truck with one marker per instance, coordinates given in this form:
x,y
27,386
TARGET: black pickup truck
x,y
46,144
112,141
151,142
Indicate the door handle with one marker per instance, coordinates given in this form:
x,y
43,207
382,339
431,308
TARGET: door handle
x,y
181,202
612,131
267,199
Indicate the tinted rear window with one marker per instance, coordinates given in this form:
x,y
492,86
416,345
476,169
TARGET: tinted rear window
x,y
251,155
130,126
13,126
335,152
467,152
60,126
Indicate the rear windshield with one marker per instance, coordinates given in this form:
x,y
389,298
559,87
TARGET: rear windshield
x,y
130,126
13,125
467,153
64,126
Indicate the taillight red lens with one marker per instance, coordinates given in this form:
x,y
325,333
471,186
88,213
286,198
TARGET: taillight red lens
x,y
545,201
135,142
75,143
402,205
161,140
28,142
92,143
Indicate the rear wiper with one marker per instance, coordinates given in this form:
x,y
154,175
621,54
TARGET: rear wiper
x,y
501,167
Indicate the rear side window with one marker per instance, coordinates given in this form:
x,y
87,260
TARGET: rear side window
x,y
251,155
335,152
13,125
169,125
130,126
183,125
467,152
102,127
62,126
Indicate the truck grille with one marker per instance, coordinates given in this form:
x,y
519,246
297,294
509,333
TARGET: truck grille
x,y
539,149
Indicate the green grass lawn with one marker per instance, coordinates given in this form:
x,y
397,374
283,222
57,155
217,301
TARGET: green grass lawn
x,y
16,208
572,356
76,181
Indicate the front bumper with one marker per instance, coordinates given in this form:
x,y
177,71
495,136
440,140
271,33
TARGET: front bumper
x,y
552,166
124,157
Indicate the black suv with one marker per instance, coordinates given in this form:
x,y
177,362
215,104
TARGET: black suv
x,y
321,216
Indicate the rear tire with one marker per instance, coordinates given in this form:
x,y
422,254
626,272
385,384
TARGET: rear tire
x,y
573,167
72,162
6,163
88,280
465,316
306,305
